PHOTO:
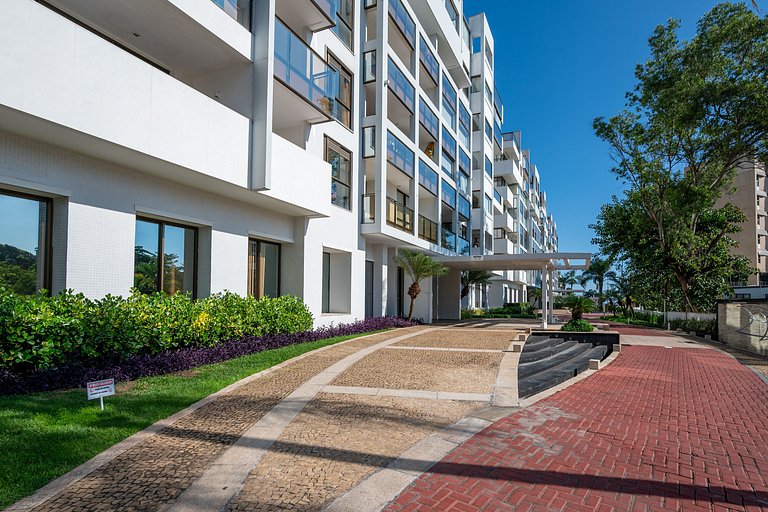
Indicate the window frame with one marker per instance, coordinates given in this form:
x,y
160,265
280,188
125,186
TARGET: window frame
x,y
48,238
340,150
253,258
337,18
342,70
161,250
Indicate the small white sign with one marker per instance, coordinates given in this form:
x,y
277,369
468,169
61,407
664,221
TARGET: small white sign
x,y
477,257
101,388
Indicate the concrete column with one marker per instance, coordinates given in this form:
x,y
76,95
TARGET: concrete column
x,y
544,297
551,310
449,299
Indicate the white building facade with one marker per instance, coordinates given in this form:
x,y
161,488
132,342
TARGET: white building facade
x,y
263,147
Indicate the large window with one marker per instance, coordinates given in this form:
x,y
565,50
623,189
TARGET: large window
x,y
165,257
341,173
344,21
342,110
263,269
24,243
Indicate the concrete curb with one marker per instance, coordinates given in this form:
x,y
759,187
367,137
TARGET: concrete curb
x,y
54,487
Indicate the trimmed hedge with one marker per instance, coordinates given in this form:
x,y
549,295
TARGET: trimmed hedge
x,y
39,332
76,374
578,326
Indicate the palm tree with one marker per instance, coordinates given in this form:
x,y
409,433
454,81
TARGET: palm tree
x,y
418,266
578,306
566,280
599,270
471,277
623,286
534,294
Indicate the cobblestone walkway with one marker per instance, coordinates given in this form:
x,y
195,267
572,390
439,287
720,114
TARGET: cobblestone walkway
x,y
658,429
301,435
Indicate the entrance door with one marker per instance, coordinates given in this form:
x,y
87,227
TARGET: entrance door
x,y
368,289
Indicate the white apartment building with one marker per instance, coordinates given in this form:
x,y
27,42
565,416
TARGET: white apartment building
x,y
263,147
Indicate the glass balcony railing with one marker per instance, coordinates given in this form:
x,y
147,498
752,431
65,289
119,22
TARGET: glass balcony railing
x,y
429,61
427,177
497,137
304,71
465,164
448,194
368,209
448,239
428,119
465,207
497,104
463,247
427,229
401,87
496,195
399,215
403,21
399,155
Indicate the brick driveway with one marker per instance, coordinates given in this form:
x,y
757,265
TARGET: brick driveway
x,y
658,429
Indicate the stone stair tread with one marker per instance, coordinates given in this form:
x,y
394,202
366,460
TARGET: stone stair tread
x,y
537,382
552,361
536,355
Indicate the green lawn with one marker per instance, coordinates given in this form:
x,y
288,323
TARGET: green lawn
x,y
44,435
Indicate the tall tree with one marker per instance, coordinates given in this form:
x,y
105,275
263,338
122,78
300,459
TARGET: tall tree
x,y
698,111
470,277
418,266
598,271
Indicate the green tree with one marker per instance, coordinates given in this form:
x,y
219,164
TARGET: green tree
x,y
599,269
578,306
470,277
698,111
624,291
418,266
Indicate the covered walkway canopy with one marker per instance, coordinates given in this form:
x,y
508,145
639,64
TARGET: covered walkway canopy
x,y
544,261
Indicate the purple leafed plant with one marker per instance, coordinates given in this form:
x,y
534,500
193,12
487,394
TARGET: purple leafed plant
x,y
75,375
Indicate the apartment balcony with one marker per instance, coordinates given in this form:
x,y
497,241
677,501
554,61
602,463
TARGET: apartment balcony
x,y
505,221
301,74
74,89
448,240
428,229
497,207
503,246
302,15
299,180
399,216
463,246
509,170
507,196
192,38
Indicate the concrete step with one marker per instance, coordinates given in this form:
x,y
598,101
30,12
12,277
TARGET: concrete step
x,y
537,355
560,357
540,344
538,382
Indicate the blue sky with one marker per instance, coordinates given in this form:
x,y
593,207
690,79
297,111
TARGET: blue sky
x,y
559,65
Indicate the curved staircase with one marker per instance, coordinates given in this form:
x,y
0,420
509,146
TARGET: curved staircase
x,y
546,362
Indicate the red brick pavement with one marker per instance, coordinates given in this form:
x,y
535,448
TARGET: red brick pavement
x,y
658,429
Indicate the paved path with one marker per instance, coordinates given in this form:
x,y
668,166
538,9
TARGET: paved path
x,y
302,434
658,429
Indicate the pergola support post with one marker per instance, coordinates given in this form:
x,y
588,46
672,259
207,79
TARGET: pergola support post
x,y
544,297
551,309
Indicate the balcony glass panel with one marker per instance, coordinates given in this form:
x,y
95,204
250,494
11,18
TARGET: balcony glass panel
x,y
496,195
488,168
448,194
464,162
465,208
449,93
403,21
429,61
448,239
304,71
427,177
464,184
399,215
427,229
369,141
400,85
464,124
449,144
512,138
399,155
463,247
497,134
428,119
368,209
369,66
497,104
343,16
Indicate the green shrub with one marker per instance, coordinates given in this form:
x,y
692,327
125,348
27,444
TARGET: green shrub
x,y
578,306
698,326
578,326
43,331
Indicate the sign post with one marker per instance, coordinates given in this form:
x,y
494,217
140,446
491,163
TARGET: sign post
x,y
99,389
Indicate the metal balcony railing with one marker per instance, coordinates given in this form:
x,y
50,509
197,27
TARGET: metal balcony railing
x,y
399,215
427,229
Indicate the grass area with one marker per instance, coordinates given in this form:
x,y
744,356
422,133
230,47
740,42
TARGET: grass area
x,y
655,322
44,435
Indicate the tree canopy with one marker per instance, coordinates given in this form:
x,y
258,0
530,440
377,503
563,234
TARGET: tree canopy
x,y
699,111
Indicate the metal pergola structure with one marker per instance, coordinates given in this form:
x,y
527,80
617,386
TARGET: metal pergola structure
x,y
547,262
